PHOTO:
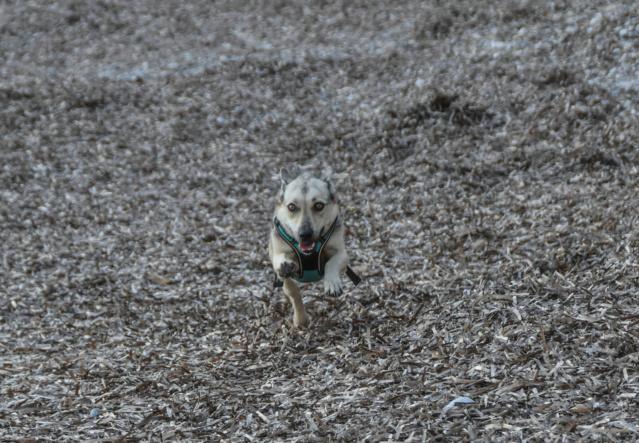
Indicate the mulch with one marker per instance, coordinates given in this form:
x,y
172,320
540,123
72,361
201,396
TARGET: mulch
x,y
485,158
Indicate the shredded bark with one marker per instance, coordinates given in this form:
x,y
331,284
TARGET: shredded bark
x,y
485,154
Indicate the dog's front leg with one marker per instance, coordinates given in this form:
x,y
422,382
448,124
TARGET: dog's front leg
x,y
292,291
334,266
284,266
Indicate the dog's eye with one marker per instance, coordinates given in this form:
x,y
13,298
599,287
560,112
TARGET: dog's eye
x,y
319,206
292,207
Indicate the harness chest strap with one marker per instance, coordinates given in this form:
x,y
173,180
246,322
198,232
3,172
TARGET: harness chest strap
x,y
311,266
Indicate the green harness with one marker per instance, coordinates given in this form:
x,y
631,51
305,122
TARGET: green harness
x,y
311,268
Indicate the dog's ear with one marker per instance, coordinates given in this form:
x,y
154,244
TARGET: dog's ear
x,y
327,174
326,177
285,176
286,179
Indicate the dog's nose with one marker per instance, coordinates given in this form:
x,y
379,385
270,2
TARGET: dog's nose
x,y
306,234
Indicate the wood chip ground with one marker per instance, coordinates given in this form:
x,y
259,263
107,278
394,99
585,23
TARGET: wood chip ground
x,y
486,157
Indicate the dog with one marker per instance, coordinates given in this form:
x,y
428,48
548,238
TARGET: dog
x,y
307,238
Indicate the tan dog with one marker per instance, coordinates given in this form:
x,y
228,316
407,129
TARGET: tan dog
x,y
307,239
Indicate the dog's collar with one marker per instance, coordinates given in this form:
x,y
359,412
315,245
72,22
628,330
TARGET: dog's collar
x,y
311,267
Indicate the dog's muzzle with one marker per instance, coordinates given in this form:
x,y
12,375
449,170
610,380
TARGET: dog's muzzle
x,y
306,245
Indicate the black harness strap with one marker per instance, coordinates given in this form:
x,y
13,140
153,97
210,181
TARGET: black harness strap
x,y
356,279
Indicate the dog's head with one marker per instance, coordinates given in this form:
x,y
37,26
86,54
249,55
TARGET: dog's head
x,y
307,207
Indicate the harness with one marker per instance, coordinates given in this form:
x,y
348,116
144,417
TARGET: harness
x,y
311,268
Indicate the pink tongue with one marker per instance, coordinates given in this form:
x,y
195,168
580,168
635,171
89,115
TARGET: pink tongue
x,y
305,247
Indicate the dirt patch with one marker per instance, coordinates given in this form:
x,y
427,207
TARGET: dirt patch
x,y
485,155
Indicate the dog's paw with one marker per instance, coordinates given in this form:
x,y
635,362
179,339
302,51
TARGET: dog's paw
x,y
333,288
302,321
288,269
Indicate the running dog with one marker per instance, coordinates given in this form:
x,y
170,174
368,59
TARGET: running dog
x,y
307,238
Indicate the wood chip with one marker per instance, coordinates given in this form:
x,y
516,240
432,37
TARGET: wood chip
x,y
485,157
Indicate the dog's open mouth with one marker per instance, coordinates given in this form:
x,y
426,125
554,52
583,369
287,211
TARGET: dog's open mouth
x,y
307,248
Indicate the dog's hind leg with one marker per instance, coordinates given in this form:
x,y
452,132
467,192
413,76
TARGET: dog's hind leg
x,y
292,291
